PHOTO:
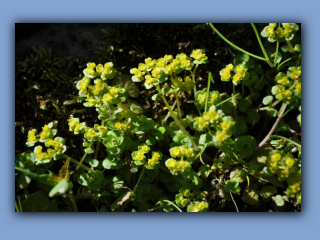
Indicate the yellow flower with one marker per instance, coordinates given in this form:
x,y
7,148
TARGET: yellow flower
x,y
31,136
72,123
184,202
46,131
107,69
202,98
142,67
91,133
113,92
194,209
139,155
169,58
156,73
84,84
145,149
175,152
287,29
183,150
270,29
90,68
201,206
150,80
284,81
98,87
107,97
161,62
287,94
221,136
298,87
198,54
186,193
99,68
201,122
225,125
78,128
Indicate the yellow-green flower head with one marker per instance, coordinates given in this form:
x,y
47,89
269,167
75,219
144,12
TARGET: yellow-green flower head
x,y
157,72
295,74
89,71
98,87
221,136
150,63
186,193
168,58
107,70
156,155
99,68
199,54
41,157
239,75
56,144
272,161
177,82
288,27
202,98
225,73
194,208
184,202
161,62
150,80
91,133
51,152
137,72
73,123
32,135
142,67
175,152
284,81
123,127
175,64
210,116
113,92
93,100
83,85
176,166
46,131
79,127
153,161
102,131
169,69
279,32
139,155
144,148
270,29
201,122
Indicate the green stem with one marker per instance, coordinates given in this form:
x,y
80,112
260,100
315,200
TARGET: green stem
x,y
294,143
178,103
226,100
240,49
98,144
290,47
275,57
78,163
135,187
176,119
234,107
261,45
208,92
287,61
84,156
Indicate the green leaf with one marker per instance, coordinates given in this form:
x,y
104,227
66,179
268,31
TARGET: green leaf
x,y
244,104
267,191
232,186
272,112
267,100
238,174
62,187
251,195
246,145
36,202
23,181
285,48
279,201
89,150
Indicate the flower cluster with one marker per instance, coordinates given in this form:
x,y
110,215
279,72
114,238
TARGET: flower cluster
x,y
198,206
286,32
283,166
140,158
240,73
281,91
213,99
76,126
157,71
181,151
225,73
46,137
105,72
177,166
123,127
